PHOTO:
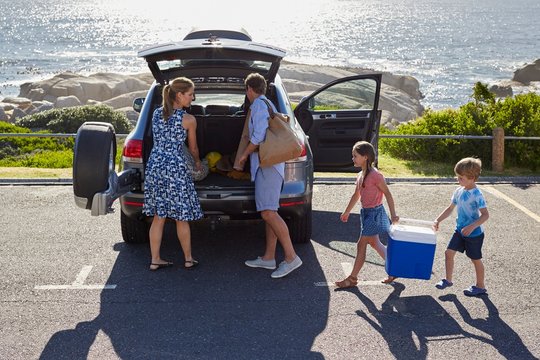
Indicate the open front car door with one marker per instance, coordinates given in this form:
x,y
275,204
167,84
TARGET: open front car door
x,y
338,115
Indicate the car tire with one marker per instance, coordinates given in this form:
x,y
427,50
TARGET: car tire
x,y
300,227
134,231
93,159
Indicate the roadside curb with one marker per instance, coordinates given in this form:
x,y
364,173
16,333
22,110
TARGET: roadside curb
x,y
36,181
317,181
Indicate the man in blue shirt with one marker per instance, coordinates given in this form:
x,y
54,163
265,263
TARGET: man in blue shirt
x,y
268,184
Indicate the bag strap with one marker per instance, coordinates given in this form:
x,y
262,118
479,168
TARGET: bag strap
x,y
270,109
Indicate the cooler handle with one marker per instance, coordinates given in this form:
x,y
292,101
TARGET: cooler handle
x,y
424,222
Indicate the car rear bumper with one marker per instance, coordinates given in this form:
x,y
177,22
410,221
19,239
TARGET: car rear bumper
x,y
132,204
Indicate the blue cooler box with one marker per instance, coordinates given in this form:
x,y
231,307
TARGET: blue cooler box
x,y
411,250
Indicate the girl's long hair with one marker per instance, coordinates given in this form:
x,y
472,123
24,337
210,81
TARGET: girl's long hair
x,y
364,148
178,85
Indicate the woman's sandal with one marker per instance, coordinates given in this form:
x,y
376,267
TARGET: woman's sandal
x,y
349,282
156,266
390,279
193,263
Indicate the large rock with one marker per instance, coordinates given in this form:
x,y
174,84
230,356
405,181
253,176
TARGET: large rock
x,y
3,115
19,102
400,95
67,101
125,100
99,87
530,72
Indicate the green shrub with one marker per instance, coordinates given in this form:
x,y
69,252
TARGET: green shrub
x,y
8,128
68,120
41,159
15,146
518,116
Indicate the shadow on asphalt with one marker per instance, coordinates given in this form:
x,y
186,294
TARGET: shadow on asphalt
x,y
225,310
408,324
501,336
222,309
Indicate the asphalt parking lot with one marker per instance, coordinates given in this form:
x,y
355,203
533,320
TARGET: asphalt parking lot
x,y
70,288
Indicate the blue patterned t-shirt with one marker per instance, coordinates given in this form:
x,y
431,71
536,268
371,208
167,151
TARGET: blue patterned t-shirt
x,y
468,204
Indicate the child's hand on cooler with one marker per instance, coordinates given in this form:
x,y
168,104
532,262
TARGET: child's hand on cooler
x,y
395,219
344,217
435,225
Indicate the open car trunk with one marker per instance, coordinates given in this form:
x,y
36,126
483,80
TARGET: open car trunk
x,y
215,133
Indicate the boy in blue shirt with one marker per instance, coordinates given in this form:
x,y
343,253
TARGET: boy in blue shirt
x,y
469,235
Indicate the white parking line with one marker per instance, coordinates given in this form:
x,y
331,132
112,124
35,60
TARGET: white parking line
x,y
500,195
347,268
78,284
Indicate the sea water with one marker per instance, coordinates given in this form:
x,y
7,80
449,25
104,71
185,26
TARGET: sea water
x,y
448,45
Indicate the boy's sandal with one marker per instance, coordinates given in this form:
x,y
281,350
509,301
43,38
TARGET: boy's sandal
x,y
389,279
193,263
349,282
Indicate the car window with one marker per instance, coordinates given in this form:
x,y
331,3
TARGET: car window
x,y
178,64
354,94
204,99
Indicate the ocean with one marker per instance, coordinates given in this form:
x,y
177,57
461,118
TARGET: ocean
x,y
448,45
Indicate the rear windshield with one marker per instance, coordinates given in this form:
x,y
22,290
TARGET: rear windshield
x,y
256,65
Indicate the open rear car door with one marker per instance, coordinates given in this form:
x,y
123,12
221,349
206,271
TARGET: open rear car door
x,y
338,115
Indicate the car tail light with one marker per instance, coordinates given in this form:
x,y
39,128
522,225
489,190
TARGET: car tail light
x,y
133,151
302,157
288,202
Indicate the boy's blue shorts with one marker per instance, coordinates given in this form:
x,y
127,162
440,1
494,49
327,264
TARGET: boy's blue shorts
x,y
472,246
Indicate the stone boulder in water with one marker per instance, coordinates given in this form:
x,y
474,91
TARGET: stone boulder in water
x,y
528,73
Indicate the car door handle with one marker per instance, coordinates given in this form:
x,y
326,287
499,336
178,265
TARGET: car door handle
x,y
327,116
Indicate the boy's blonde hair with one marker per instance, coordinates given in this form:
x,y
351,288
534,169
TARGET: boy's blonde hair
x,y
469,167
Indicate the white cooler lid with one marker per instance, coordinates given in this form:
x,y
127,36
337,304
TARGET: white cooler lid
x,y
410,233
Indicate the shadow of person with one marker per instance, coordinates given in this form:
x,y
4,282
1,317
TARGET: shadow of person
x,y
503,337
388,322
222,309
408,323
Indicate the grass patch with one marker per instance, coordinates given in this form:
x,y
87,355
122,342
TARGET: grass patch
x,y
32,173
397,168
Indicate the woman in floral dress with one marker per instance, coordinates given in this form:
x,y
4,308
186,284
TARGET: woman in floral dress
x,y
169,190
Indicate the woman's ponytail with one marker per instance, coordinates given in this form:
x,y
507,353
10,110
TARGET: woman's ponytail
x,y
167,103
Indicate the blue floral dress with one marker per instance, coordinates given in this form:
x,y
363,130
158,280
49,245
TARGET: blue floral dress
x,y
169,191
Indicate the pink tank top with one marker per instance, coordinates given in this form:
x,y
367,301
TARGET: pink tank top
x,y
370,195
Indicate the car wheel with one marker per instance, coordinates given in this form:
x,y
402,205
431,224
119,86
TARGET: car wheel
x,y
300,227
134,231
93,159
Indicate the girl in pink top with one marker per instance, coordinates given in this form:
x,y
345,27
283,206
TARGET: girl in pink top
x,y
370,188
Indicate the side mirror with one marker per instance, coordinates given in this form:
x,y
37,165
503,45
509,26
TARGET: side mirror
x,y
137,104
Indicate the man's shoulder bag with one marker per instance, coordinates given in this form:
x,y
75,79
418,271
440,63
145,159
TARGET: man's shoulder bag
x,y
281,143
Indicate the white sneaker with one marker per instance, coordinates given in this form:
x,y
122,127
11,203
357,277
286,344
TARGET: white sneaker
x,y
260,263
286,268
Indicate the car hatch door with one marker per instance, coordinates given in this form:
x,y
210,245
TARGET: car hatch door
x,y
338,115
212,58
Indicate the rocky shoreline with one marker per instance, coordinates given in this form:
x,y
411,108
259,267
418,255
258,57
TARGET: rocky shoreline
x,y
400,94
